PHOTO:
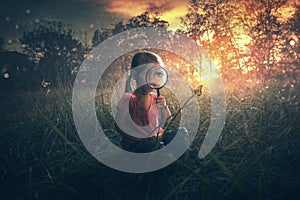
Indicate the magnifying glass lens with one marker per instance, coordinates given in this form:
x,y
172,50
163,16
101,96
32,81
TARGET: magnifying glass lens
x,y
157,77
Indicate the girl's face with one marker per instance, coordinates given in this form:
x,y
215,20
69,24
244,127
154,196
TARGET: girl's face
x,y
139,74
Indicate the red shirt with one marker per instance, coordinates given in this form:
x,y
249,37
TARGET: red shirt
x,y
145,122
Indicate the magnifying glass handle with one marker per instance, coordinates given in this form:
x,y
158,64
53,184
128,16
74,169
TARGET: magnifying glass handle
x,y
158,92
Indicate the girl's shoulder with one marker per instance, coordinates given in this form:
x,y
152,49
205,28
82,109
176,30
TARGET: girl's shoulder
x,y
125,98
127,95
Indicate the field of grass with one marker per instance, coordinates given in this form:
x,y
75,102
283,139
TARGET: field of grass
x,y
256,157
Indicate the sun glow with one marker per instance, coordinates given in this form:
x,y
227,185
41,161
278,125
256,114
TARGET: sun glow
x,y
229,45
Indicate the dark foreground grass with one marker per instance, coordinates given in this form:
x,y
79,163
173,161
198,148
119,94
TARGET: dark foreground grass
x,y
257,156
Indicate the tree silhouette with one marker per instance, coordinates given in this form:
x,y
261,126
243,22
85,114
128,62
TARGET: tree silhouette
x,y
100,35
211,24
290,48
57,54
242,37
267,34
146,19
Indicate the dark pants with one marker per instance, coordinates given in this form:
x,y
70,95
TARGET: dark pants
x,y
150,144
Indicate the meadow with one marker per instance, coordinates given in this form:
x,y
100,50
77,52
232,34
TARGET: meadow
x,y
257,155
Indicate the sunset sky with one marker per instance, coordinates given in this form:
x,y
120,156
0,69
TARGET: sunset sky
x,y
171,10
85,15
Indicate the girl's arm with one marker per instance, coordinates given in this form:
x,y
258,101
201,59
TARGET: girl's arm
x,y
162,101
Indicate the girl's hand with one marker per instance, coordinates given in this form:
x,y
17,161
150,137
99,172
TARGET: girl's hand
x,y
160,100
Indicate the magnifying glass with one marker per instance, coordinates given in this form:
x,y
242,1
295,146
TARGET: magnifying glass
x,y
157,78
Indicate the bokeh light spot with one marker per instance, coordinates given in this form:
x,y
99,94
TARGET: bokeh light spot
x,y
6,75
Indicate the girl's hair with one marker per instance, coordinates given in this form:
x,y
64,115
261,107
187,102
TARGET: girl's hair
x,y
142,58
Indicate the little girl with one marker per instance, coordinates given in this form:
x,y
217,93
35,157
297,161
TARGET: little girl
x,y
139,111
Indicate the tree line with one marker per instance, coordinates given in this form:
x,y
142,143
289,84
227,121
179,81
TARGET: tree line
x,y
253,38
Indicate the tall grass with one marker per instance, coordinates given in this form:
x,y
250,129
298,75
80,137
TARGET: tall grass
x,y
256,157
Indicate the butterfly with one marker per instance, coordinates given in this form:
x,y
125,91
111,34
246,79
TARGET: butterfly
x,y
198,90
